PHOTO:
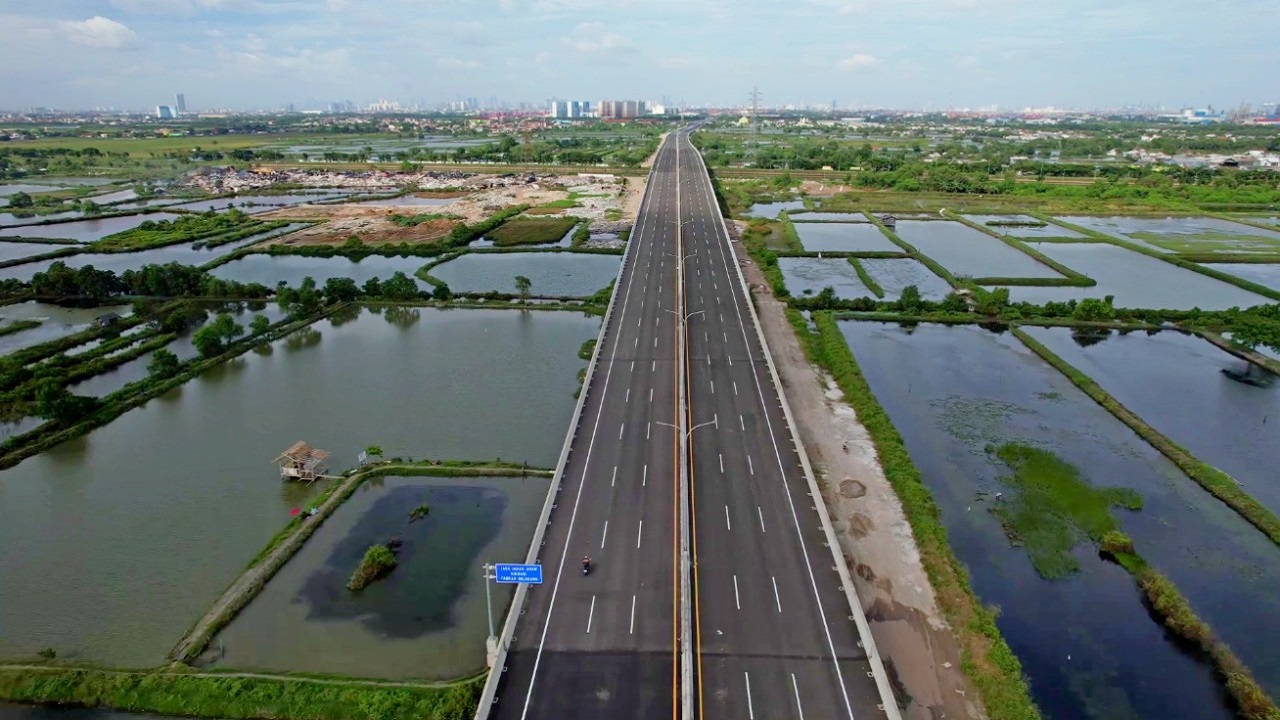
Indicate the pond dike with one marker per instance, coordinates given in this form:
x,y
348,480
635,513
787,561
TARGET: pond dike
x,y
247,586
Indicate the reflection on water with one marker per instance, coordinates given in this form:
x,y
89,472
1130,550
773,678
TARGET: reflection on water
x,y
434,558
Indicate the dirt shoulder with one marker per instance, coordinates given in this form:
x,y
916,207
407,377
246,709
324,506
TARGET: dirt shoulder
x,y
920,651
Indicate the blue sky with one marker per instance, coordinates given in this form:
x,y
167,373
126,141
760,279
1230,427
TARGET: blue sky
x,y
887,53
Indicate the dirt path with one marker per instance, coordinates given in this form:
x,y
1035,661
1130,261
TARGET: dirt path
x,y
920,652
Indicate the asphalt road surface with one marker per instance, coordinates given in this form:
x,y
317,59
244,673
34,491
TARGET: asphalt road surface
x,y
604,645
774,634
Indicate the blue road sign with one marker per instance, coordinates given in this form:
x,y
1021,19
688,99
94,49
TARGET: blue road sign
x,y
518,573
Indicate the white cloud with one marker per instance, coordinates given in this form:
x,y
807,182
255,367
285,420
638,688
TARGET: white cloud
x,y
458,63
593,37
859,61
966,61
98,32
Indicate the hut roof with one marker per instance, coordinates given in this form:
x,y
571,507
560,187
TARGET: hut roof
x,y
302,452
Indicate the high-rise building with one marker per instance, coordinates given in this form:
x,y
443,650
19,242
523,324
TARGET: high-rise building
x,y
166,112
620,109
560,110
182,104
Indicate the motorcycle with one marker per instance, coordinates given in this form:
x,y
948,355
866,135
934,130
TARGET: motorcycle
x,y
586,568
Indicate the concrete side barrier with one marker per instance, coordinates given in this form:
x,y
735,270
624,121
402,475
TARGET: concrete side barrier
x,y
489,694
887,699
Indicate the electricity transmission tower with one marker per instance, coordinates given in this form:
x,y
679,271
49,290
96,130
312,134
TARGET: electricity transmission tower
x,y
754,145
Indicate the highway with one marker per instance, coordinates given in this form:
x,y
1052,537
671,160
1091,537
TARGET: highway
x,y
604,645
774,635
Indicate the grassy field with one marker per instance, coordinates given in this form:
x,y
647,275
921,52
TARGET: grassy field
x,y
1208,242
226,696
529,231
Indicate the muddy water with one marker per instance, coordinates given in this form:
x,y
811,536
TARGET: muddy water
x,y
184,254
843,237
1175,383
968,252
893,276
57,322
427,619
808,276
115,543
293,269
1086,642
85,231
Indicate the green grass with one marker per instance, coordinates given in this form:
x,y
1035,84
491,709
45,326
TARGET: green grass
x,y
530,231
1221,485
986,658
1054,510
18,326
232,698
145,146
377,562
184,229
866,278
587,350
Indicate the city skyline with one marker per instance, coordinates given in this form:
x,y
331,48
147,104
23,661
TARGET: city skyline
x,y
911,54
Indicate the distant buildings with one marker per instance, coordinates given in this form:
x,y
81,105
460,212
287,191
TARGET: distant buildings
x,y
621,109
569,109
182,104
166,112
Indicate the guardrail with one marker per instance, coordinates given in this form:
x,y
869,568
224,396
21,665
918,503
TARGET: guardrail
x,y
489,694
887,700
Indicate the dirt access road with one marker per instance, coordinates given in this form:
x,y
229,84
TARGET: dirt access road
x,y
920,651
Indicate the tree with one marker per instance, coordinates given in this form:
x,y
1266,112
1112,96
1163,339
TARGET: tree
x,y
442,292
21,200
55,402
163,364
302,302
910,301
341,290
373,287
212,339
259,325
1094,310
399,287
1249,333
523,286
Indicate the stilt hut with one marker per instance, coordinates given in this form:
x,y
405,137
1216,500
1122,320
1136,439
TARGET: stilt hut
x,y
302,462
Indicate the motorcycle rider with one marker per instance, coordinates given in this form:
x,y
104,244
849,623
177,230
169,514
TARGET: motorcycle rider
x,y
586,563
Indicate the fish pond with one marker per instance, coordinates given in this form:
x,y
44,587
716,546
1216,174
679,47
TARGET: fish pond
x,y
1266,275
968,252
808,276
183,347
1135,280
1185,234
19,250
806,216
85,231
116,543
1085,639
844,237
56,322
184,254
550,274
427,618
1175,383
895,275
1023,226
771,210
293,269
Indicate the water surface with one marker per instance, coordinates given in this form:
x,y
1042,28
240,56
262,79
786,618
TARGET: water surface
x,y
843,237
1262,274
293,269
551,274
85,231
1172,234
771,210
1023,231
1136,281
968,252
427,619
808,276
894,275
1086,642
57,322
1175,383
115,543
